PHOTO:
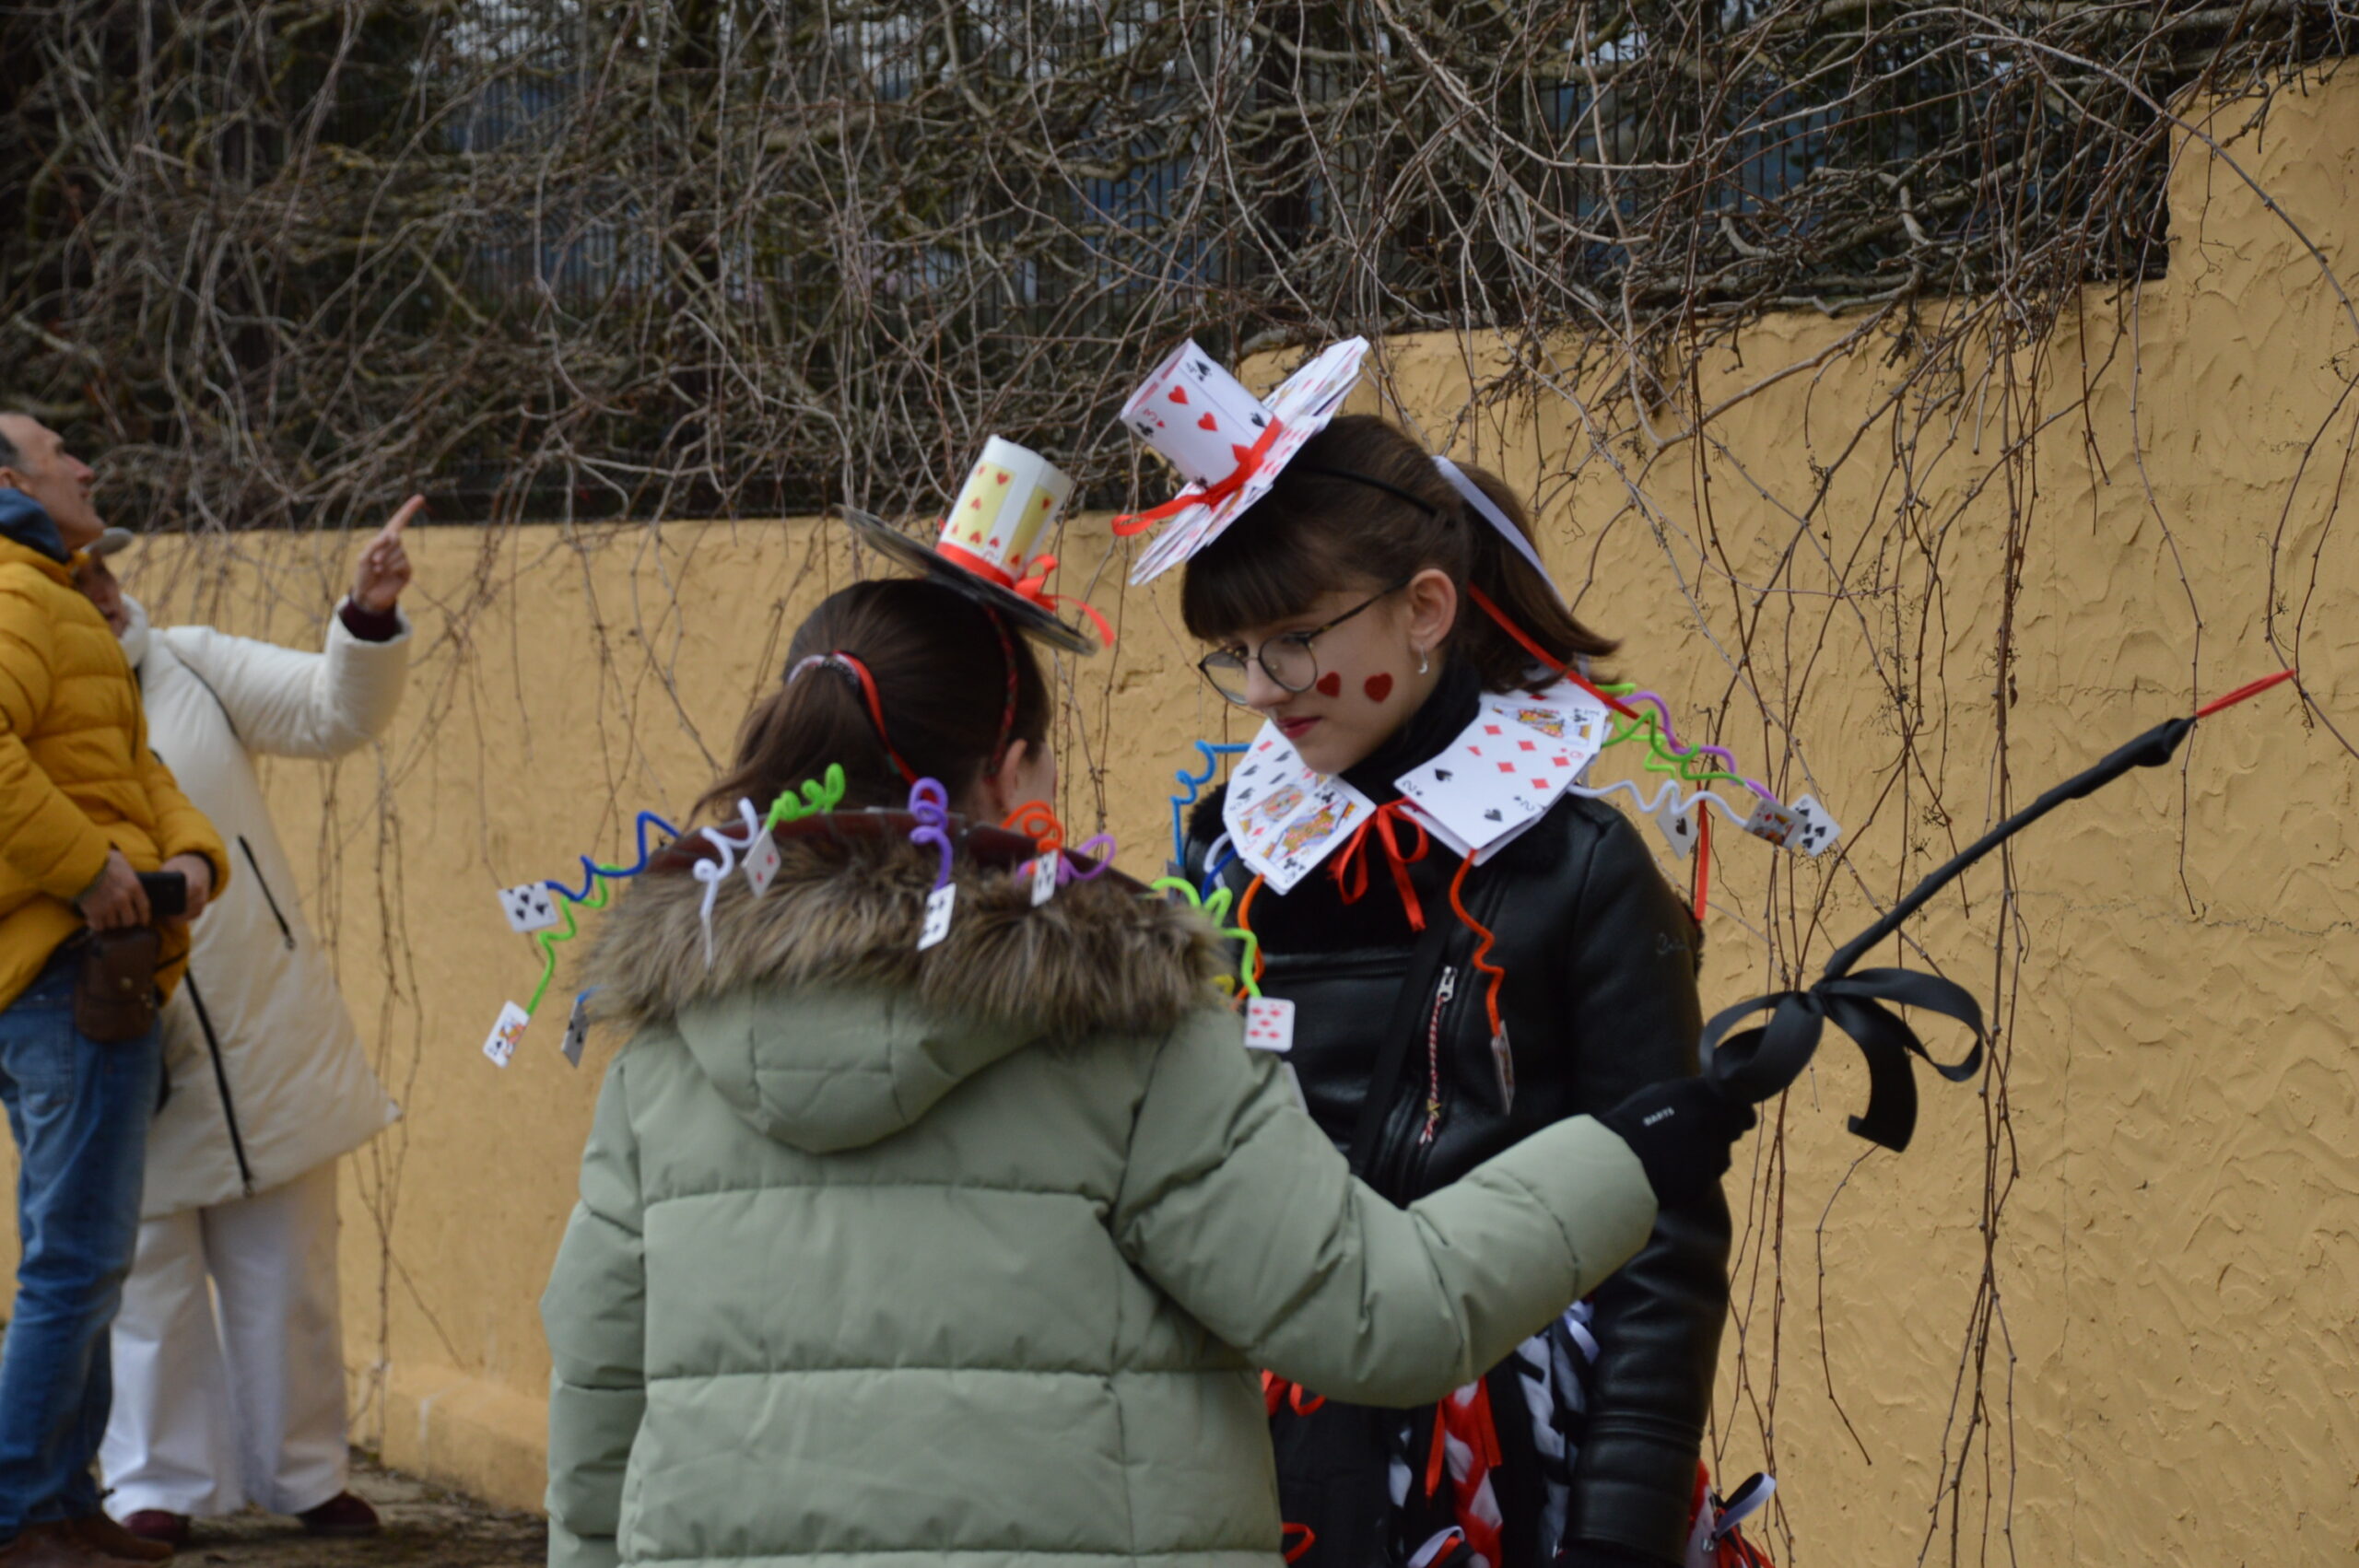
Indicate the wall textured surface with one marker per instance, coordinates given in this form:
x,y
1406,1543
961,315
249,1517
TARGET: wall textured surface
x,y
1970,596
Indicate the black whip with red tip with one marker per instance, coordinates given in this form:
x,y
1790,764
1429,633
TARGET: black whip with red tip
x,y
1760,1063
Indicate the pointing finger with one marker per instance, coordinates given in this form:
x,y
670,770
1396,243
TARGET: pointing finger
x,y
410,509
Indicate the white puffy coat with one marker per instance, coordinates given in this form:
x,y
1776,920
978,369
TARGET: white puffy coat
x,y
279,1082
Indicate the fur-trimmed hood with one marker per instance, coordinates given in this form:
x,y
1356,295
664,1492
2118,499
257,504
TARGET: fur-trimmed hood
x,y
819,1020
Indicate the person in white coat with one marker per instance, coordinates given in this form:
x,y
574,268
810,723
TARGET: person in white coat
x,y
228,1356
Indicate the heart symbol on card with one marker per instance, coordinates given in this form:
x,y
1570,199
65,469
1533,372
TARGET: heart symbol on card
x,y
1002,478
1207,422
1179,395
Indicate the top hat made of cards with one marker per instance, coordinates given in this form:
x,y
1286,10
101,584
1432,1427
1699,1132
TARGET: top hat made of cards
x,y
1229,445
1010,499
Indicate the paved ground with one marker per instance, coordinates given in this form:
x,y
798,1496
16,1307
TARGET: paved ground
x,y
425,1528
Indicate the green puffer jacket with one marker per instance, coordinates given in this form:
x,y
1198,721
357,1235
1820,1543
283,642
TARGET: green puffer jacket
x,y
971,1255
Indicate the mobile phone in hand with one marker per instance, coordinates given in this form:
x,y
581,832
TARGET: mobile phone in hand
x,y
167,893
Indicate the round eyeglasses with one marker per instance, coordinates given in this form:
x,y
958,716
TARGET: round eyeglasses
x,y
1287,659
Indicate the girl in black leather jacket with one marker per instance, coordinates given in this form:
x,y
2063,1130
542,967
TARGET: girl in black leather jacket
x,y
1369,547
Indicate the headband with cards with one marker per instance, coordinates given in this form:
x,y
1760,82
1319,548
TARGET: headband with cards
x,y
1012,498
1030,845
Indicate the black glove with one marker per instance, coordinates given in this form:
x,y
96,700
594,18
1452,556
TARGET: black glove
x,y
1681,1131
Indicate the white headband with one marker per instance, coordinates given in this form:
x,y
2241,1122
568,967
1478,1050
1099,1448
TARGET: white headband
x,y
1491,514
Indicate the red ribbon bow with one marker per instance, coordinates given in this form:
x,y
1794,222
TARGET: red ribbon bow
x,y
1249,463
1351,867
1032,586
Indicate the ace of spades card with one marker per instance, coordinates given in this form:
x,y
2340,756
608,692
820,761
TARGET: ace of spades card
x,y
1678,825
1815,828
529,907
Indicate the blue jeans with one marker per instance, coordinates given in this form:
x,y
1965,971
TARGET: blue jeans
x,y
79,1111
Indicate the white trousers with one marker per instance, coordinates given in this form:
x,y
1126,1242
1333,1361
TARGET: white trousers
x,y
229,1359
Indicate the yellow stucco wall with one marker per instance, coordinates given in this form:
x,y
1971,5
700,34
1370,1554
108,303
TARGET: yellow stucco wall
x,y
2176,1266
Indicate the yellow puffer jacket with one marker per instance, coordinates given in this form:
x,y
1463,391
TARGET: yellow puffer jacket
x,y
75,774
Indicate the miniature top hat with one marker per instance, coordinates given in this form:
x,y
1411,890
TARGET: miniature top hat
x,y
1011,497
1229,444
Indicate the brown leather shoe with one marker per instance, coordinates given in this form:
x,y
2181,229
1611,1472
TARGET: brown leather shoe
x,y
125,1545
343,1514
54,1544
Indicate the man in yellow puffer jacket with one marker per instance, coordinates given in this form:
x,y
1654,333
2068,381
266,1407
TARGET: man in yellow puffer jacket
x,y
84,807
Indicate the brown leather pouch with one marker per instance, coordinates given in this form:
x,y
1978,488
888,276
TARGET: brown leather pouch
x,y
115,995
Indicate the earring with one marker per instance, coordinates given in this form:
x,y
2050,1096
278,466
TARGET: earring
x,y
1421,660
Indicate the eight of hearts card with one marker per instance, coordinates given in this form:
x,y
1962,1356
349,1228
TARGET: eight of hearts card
x,y
1284,818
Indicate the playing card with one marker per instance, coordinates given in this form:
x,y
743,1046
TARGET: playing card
x,y
1269,1024
1678,826
1044,878
1503,1068
937,915
577,1030
1815,830
1565,716
1481,790
1458,847
1197,414
529,907
1331,811
1770,821
760,863
501,1043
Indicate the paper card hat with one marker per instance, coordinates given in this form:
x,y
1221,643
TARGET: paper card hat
x,y
1229,445
1010,499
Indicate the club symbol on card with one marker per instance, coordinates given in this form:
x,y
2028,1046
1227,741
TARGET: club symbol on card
x,y
528,907
1817,830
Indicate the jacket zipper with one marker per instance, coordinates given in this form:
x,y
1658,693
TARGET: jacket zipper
x,y
1442,993
221,1076
264,882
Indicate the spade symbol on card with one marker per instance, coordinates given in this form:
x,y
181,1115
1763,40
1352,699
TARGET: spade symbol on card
x,y
529,907
577,1030
1441,775
1494,814
1817,830
1677,826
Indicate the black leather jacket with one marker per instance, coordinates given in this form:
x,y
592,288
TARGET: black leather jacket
x,y
1599,999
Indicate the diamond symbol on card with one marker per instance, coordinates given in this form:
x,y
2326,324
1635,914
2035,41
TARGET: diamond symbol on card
x,y
1492,730
1527,745
1506,767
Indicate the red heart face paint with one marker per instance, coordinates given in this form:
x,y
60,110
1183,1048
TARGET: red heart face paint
x,y
1331,684
1378,687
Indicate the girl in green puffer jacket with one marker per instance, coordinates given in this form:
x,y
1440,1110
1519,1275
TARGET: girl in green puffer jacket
x,y
972,1252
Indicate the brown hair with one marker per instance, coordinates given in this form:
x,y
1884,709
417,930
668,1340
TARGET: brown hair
x,y
1319,531
941,668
